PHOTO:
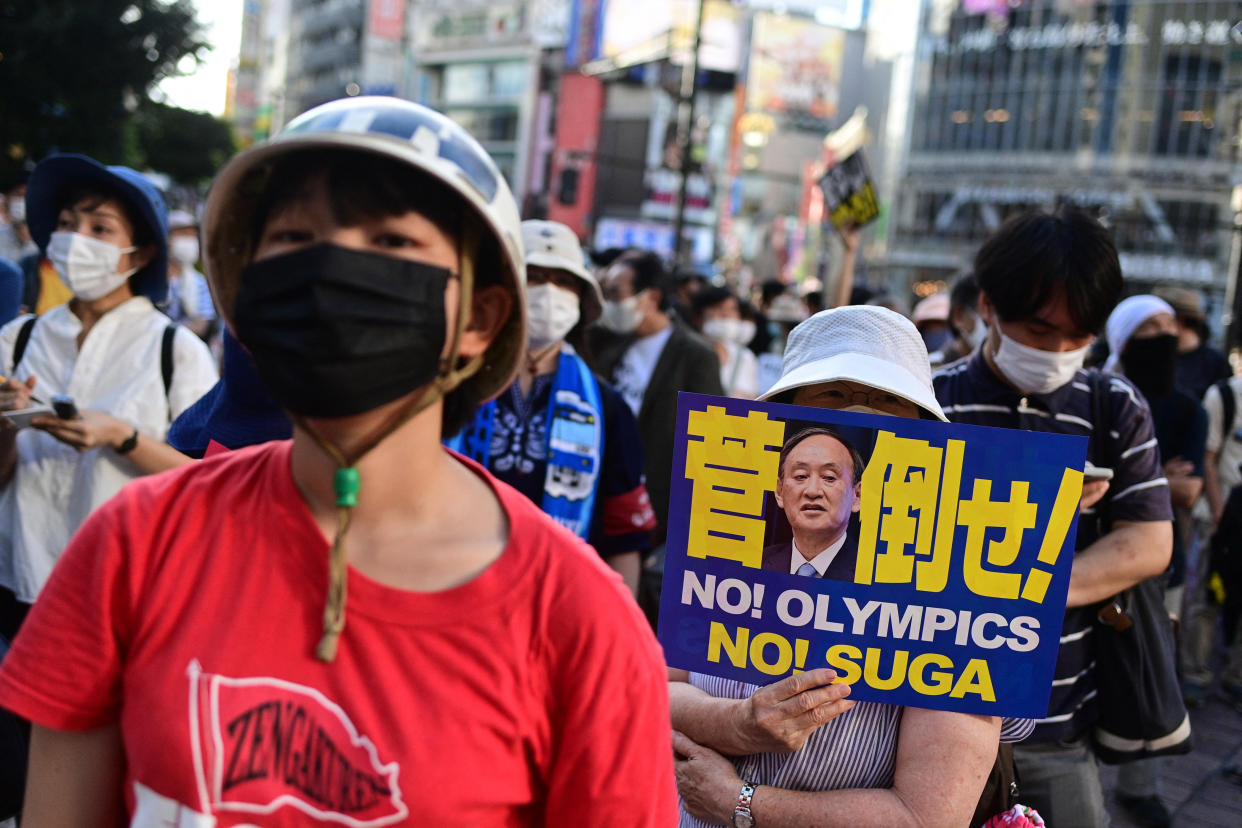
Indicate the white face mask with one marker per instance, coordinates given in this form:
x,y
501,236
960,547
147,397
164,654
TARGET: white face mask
x,y
86,265
724,329
17,210
1035,371
977,334
553,312
184,249
865,409
622,317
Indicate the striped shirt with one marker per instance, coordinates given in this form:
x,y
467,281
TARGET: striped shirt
x,y
970,392
857,749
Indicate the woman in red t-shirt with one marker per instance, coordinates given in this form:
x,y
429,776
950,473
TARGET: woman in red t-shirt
x,y
194,659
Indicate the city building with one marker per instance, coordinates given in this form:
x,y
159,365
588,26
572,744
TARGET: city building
x,y
582,104
493,67
1129,109
336,48
773,80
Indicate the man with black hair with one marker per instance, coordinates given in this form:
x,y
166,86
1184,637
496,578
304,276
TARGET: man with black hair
x,y
688,283
968,328
768,291
1198,364
1046,285
649,357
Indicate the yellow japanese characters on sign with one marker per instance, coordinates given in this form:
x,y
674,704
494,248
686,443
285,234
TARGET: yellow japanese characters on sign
x,y
912,508
733,465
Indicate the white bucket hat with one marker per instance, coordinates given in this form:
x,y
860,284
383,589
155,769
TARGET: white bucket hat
x,y
859,343
180,219
553,245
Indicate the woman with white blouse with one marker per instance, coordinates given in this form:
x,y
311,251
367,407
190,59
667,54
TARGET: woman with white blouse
x,y
128,371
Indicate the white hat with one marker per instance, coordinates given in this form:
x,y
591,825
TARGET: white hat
x,y
934,308
1125,320
787,308
178,219
553,245
859,343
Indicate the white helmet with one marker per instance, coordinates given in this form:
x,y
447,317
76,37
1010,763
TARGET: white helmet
x,y
399,130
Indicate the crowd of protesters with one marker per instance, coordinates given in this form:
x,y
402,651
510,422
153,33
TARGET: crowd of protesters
x,y
285,536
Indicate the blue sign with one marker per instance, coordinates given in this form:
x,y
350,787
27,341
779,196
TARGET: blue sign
x,y
926,563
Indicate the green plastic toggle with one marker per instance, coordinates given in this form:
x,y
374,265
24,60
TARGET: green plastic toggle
x,y
347,485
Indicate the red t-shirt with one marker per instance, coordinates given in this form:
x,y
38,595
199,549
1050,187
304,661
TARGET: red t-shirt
x,y
189,607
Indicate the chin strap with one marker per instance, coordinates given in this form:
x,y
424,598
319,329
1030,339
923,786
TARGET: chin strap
x,y
533,358
347,482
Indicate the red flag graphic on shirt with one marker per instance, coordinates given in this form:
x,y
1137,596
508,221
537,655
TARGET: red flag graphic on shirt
x,y
261,744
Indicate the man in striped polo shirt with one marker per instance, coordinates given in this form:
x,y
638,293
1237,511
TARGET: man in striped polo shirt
x,y
1047,284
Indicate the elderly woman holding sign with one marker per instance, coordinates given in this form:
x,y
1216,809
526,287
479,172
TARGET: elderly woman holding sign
x,y
803,752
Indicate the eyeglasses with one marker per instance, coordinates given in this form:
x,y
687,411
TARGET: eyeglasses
x,y
835,395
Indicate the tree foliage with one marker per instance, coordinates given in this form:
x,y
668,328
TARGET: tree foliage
x,y
75,73
188,146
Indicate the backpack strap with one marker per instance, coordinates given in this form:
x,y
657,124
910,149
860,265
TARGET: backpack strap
x,y
166,357
166,366
23,339
1230,409
1101,419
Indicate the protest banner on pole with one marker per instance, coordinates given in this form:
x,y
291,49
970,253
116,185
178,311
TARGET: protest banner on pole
x,y
942,553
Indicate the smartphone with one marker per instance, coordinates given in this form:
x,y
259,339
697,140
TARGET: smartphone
x,y
1094,472
22,417
64,407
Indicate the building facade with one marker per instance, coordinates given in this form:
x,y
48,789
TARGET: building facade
x,y
336,48
1128,109
492,67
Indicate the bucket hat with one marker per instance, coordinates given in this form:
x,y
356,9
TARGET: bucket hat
x,y
55,175
553,245
859,343
237,411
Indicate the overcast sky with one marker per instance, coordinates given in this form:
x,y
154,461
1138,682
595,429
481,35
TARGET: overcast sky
x,y
206,88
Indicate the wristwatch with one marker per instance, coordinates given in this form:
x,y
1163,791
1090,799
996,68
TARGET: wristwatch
x,y
129,445
742,817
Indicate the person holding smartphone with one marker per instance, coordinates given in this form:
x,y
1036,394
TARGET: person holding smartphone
x,y
356,626
1047,283
108,348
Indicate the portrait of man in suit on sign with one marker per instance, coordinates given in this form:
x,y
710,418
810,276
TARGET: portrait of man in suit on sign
x,y
818,488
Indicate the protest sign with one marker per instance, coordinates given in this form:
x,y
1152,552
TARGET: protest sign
x,y
847,186
849,192
953,549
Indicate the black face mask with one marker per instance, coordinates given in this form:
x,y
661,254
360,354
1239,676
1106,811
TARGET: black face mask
x,y
1151,364
336,332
